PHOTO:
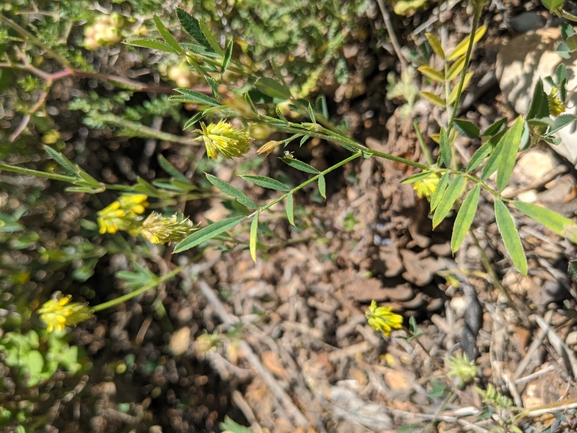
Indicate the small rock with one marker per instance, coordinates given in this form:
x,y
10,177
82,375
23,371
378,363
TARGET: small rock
x,y
179,341
526,59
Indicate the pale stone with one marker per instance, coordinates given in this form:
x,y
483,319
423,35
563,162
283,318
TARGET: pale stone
x,y
522,62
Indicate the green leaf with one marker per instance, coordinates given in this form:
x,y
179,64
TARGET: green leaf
x,y
453,94
68,166
266,182
539,104
207,233
198,116
461,49
194,97
231,191
439,191
456,68
290,208
172,170
227,56
435,45
322,186
561,122
510,142
253,236
433,99
192,27
553,5
467,129
155,44
299,165
34,364
210,38
279,75
438,390
563,50
445,147
272,88
432,73
493,162
552,220
311,113
451,194
479,155
510,236
233,427
166,35
567,30
465,218
495,128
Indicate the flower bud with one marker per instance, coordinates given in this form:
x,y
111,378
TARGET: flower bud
x,y
161,230
224,138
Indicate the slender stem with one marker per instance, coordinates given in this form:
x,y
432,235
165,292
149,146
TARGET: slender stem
x,y
307,182
568,16
53,176
155,282
147,131
295,128
478,8
392,35
489,268
27,35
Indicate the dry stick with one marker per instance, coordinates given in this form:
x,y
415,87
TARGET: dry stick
x,y
392,35
283,398
534,347
536,184
246,410
559,345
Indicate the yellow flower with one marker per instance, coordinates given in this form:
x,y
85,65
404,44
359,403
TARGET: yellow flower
x,y
110,219
161,230
122,214
58,313
224,138
383,319
426,187
556,106
133,204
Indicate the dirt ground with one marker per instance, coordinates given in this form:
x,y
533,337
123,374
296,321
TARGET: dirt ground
x,y
283,345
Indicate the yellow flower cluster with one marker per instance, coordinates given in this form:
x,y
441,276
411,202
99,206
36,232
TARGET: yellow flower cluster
x,y
426,187
161,230
225,139
123,214
556,105
59,312
382,319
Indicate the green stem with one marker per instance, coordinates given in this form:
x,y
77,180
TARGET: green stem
x,y
295,128
478,8
27,35
37,173
143,289
307,182
145,130
568,16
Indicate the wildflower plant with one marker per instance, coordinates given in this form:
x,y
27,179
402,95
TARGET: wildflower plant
x,y
58,313
240,105
382,319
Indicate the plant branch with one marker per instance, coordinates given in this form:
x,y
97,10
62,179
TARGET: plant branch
x,y
478,8
153,283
